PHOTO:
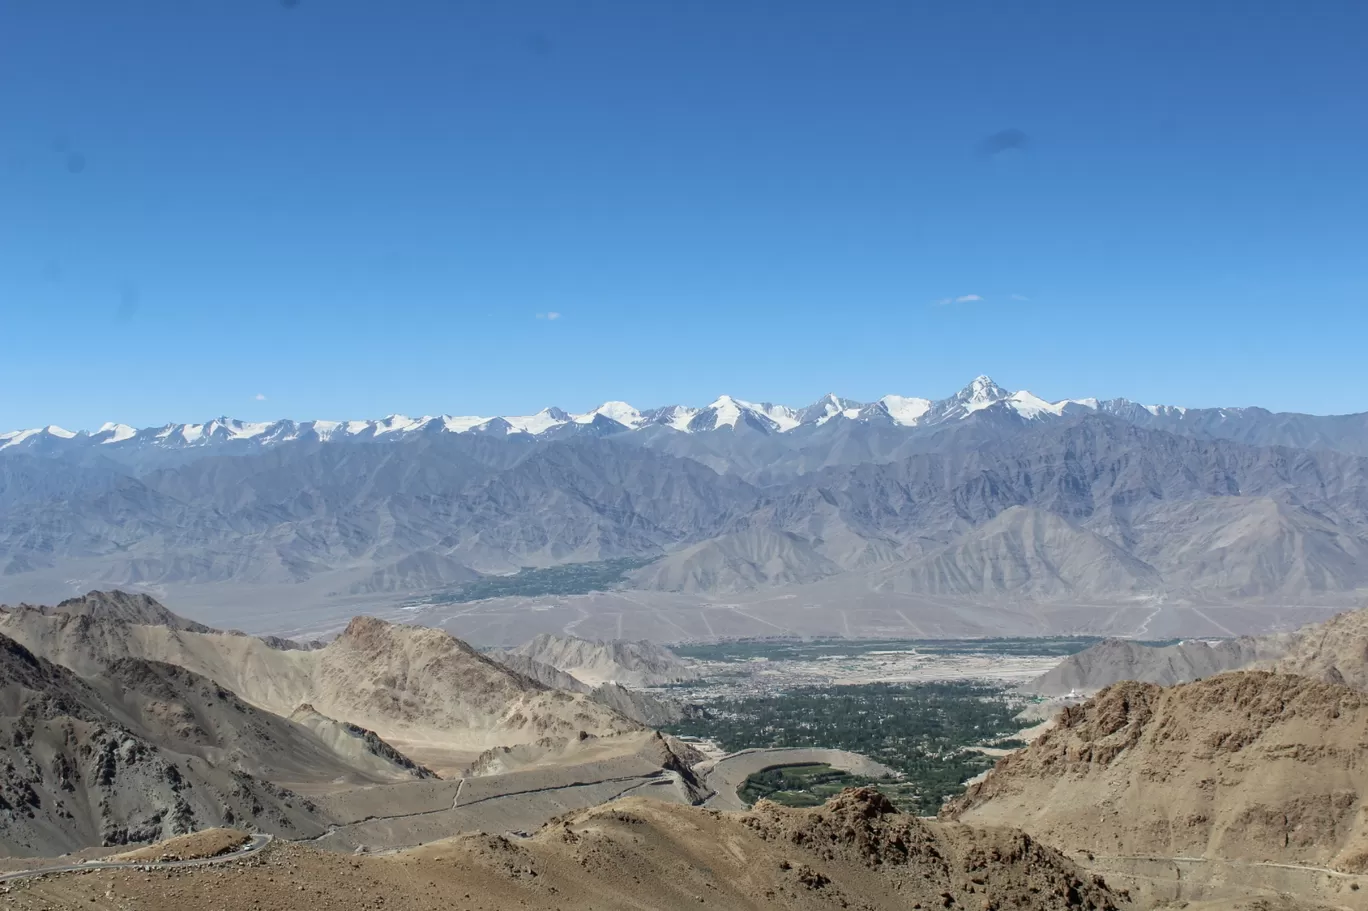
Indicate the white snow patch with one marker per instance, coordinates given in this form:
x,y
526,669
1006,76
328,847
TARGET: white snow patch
x,y
238,430
906,411
1033,406
540,422
785,417
728,412
618,411
399,423
117,432
454,424
681,417
15,437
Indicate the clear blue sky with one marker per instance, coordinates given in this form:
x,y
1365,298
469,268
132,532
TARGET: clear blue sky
x,y
357,207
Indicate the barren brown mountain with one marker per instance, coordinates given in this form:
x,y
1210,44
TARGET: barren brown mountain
x,y
1335,651
854,852
419,688
597,661
1249,766
82,766
1113,660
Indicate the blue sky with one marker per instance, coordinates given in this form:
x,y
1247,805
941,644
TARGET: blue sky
x,y
356,207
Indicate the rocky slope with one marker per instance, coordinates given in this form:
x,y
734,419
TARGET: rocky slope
x,y
644,708
1243,766
543,673
594,661
125,607
737,562
854,852
183,711
1026,552
79,767
1335,651
398,681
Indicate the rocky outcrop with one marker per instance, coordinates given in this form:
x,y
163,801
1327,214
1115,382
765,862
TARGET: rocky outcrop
x,y
1248,765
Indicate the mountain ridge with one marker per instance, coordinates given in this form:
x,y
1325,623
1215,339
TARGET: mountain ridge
x,y
724,412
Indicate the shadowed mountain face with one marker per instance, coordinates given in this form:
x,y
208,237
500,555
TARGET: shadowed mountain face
x,y
91,763
989,505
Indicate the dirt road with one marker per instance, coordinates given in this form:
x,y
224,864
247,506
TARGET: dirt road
x,y
256,843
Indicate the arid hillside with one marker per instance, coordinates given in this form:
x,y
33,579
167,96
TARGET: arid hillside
x,y
81,766
594,662
1248,765
854,852
1113,660
1335,651
413,684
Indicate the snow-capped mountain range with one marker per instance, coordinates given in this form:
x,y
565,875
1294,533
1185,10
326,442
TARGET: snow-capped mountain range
x,y
725,413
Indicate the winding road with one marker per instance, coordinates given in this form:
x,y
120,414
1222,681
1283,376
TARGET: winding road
x,y
255,844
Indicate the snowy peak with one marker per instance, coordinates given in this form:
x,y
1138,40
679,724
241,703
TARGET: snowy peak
x,y
35,437
676,417
727,411
621,412
981,393
114,433
830,406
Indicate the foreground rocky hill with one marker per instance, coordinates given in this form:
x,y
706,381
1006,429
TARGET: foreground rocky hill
x,y
1335,651
401,682
854,852
82,766
1249,766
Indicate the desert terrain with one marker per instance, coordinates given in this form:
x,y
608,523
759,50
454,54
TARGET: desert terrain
x,y
397,765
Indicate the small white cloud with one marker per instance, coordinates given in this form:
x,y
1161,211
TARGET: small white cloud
x,y
261,396
1019,297
962,299
550,314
